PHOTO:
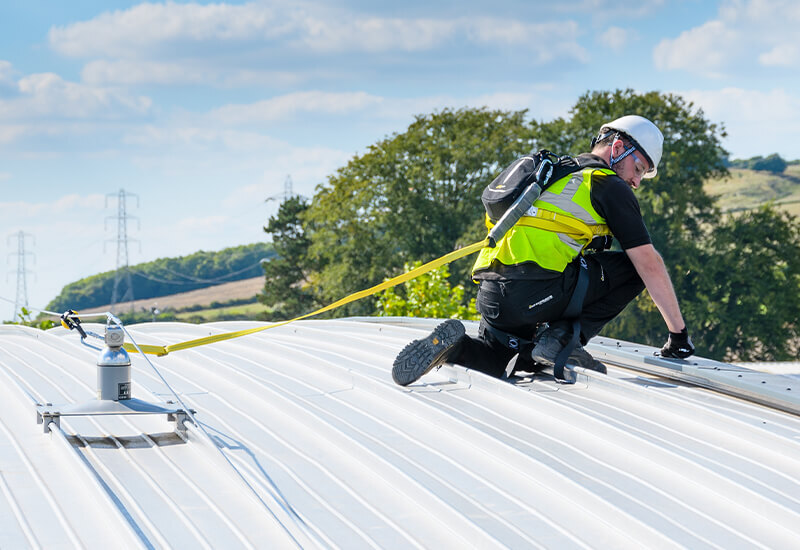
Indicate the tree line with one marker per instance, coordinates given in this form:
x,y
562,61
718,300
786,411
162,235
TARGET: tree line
x,y
415,196
771,163
167,276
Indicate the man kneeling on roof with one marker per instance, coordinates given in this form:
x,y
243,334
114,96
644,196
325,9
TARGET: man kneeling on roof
x,y
529,278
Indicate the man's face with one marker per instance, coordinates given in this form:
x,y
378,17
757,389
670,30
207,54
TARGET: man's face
x,y
633,167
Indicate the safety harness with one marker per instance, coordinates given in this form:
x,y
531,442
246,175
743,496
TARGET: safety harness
x,y
547,220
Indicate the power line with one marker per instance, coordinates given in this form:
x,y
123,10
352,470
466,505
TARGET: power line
x,y
228,275
123,273
21,300
288,193
193,280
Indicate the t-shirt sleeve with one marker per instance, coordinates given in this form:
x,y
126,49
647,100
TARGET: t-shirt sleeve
x,y
615,201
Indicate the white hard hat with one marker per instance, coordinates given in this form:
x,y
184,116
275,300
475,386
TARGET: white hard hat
x,y
645,136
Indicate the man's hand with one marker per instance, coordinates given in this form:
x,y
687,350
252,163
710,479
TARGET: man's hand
x,y
678,345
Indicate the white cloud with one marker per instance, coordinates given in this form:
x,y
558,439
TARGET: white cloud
x,y
782,55
609,8
307,167
546,41
704,50
5,176
9,133
132,72
758,123
298,104
147,27
167,43
375,34
540,105
289,105
617,39
245,167
6,74
21,212
136,72
194,138
745,31
49,95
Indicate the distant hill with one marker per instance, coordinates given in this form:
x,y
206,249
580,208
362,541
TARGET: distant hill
x,y
746,189
167,276
242,291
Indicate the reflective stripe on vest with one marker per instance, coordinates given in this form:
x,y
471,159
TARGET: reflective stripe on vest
x,y
555,230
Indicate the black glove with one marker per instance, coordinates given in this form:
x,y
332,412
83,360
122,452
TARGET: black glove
x,y
678,345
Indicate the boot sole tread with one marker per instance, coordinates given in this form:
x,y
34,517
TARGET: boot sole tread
x,y
420,356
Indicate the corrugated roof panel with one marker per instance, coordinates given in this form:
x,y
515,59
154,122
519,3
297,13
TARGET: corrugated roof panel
x,y
312,445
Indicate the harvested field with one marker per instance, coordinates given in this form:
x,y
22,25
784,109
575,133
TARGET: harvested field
x,y
236,290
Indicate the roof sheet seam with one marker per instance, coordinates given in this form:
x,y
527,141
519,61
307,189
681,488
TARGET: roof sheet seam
x,y
563,467
700,459
565,409
295,449
40,482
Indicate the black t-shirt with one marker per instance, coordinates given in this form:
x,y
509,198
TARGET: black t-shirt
x,y
614,200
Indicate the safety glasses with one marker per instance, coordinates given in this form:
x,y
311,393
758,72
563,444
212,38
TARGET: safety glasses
x,y
639,166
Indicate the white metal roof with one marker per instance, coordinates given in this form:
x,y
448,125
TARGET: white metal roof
x,y
790,368
312,445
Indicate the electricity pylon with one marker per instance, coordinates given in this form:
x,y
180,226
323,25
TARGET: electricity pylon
x,y
21,300
122,277
287,191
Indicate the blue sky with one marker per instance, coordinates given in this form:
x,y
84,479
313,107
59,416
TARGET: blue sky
x,y
203,109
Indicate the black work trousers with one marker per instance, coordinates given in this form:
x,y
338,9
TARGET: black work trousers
x,y
519,306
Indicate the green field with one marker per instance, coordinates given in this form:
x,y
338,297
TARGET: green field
x,y
747,189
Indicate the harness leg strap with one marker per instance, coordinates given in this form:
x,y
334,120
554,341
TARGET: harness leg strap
x,y
573,311
510,341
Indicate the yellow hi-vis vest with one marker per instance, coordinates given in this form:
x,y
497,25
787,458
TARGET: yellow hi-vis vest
x,y
554,230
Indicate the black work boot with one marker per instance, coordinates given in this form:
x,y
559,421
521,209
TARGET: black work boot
x,y
420,356
549,344
582,358
552,340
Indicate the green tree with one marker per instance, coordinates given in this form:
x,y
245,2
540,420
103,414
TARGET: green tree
x,y
750,288
287,292
773,163
429,295
412,196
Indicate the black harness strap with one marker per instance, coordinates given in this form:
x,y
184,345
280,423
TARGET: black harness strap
x,y
511,341
573,311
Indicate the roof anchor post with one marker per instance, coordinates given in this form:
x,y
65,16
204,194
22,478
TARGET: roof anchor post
x,y
114,391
